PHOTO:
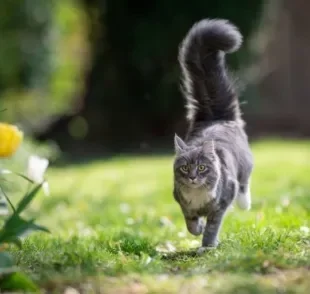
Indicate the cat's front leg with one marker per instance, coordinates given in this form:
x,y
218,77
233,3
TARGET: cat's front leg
x,y
211,232
195,225
215,218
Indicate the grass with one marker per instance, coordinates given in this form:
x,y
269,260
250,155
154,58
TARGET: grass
x,y
116,229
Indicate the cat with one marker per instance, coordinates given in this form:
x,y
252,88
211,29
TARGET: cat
x,y
213,165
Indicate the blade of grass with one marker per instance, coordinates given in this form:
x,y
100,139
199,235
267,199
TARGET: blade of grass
x,y
27,199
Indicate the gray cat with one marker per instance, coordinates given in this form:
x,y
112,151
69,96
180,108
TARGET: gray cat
x,y
213,165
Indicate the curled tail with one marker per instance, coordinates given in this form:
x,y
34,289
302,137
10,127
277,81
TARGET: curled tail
x,y
209,92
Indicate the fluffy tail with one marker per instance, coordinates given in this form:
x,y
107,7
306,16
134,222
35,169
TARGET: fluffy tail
x,y
209,92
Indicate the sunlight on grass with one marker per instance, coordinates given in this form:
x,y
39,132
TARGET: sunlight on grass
x,y
117,217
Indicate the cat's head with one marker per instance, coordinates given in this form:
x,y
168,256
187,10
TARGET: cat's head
x,y
196,166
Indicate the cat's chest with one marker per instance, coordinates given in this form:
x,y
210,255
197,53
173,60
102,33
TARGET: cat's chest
x,y
196,199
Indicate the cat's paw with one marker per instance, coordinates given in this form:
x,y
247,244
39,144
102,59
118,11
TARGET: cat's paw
x,y
244,201
203,249
196,228
210,244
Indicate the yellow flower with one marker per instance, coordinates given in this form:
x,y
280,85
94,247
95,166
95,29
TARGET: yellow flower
x,y
10,139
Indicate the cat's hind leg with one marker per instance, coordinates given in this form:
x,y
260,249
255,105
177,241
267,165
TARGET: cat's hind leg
x,y
244,196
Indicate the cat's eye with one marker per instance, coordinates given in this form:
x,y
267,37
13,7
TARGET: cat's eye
x,y
184,168
201,167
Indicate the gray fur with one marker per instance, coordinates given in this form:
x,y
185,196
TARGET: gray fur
x,y
205,79
214,163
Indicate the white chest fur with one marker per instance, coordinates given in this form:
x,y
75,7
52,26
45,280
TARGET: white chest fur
x,y
196,198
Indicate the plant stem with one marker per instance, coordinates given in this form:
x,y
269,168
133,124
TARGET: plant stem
x,y
7,199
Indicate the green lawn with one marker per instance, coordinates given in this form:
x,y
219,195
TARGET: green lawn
x,y
116,229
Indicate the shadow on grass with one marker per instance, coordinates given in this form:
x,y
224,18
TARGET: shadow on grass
x,y
249,287
130,243
185,255
181,255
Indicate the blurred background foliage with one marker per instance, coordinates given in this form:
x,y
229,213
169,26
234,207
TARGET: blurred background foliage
x,y
103,74
43,51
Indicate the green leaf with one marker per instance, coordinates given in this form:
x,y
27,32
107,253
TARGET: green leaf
x,y
17,281
27,199
6,171
16,227
36,227
12,229
24,177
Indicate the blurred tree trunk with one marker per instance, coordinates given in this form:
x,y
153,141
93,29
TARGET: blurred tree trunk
x,y
112,80
284,91
116,106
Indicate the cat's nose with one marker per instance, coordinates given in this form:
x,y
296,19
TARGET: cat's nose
x,y
192,178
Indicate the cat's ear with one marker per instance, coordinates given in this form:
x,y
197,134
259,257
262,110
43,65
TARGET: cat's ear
x,y
179,145
209,147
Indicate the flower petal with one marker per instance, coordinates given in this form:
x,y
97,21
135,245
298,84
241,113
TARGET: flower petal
x,y
10,139
36,168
